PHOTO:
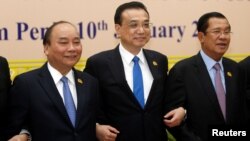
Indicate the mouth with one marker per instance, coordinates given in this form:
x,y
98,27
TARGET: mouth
x,y
222,45
140,38
71,56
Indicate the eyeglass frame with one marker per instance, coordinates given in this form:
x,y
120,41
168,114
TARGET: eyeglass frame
x,y
135,25
218,33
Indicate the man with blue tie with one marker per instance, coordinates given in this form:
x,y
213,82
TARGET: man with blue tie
x,y
132,82
56,102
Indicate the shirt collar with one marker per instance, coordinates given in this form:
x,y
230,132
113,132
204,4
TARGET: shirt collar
x,y
128,57
56,75
209,61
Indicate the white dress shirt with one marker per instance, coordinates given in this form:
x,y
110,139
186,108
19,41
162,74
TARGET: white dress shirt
x,y
56,75
128,65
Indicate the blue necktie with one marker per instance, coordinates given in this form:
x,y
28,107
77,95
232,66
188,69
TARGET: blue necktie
x,y
137,82
68,99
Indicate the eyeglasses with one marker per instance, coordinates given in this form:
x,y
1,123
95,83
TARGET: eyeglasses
x,y
218,33
136,25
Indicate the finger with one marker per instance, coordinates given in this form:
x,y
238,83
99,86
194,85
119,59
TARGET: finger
x,y
113,130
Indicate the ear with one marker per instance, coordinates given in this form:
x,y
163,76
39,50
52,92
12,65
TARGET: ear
x,y
45,49
118,30
201,36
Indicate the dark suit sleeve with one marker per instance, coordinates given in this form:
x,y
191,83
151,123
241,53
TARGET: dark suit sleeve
x,y
91,69
5,83
176,96
17,107
175,90
245,73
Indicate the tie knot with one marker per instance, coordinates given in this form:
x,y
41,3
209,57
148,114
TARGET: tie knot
x,y
136,59
217,67
64,79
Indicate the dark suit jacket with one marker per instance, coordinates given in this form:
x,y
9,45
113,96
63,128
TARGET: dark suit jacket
x,y
190,85
5,84
36,103
119,106
245,66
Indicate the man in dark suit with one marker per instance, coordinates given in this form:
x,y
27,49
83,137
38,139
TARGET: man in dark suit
x,y
5,83
38,98
123,117
245,66
210,103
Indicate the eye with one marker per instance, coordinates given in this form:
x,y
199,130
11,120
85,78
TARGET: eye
x,y
146,25
227,32
216,32
63,42
77,42
133,25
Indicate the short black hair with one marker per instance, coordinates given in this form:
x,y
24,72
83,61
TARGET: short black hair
x,y
202,24
46,39
125,6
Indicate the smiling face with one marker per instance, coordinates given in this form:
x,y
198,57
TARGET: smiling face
x,y
215,41
134,30
64,49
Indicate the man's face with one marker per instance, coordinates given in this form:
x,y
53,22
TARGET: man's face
x,y
65,47
134,31
217,38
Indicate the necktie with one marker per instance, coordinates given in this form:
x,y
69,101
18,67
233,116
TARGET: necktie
x,y
68,99
137,82
221,96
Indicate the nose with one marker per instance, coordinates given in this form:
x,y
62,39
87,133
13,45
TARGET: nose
x,y
72,46
141,29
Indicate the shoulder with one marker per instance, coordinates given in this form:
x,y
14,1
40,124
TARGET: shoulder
x,y
3,61
245,61
187,62
29,75
154,53
101,55
85,76
228,61
2,58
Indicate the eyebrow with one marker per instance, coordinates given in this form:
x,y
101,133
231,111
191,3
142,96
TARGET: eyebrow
x,y
65,38
147,20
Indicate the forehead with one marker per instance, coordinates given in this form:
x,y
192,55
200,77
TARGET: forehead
x,y
135,14
64,30
218,23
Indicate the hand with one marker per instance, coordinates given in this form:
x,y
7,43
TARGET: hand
x,y
20,137
174,117
106,132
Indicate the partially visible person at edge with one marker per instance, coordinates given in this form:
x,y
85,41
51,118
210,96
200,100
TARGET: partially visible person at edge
x,y
38,98
5,84
245,66
123,117
192,82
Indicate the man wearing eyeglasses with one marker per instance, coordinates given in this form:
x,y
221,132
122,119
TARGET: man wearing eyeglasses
x,y
208,85
132,110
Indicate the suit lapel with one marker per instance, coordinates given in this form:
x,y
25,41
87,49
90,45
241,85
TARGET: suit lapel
x,y
50,89
153,66
206,83
117,69
116,66
229,82
81,96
